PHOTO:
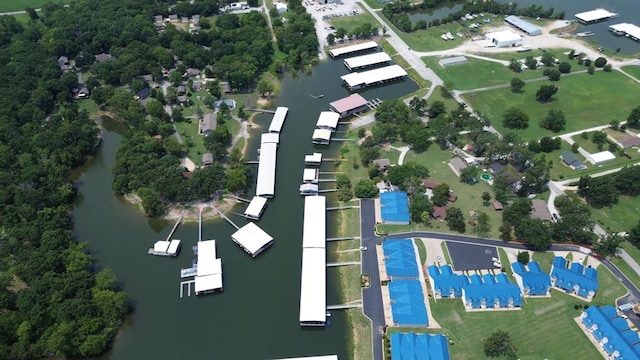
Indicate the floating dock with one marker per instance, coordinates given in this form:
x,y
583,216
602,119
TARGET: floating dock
x,y
352,49
359,80
625,29
310,176
594,16
252,239
364,61
351,105
266,179
321,136
328,120
313,282
278,119
309,189
168,247
256,208
314,159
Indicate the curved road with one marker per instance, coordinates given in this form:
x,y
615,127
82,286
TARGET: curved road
x,y
372,297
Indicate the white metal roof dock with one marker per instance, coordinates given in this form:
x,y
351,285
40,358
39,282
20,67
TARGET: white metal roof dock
x,y
270,138
266,182
165,248
313,283
365,46
252,239
310,176
313,159
321,136
255,208
328,120
308,189
352,104
363,61
626,29
596,15
278,119
209,269
373,77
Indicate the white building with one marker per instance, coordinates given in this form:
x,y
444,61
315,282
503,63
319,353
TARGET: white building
x,y
266,182
321,136
278,119
313,159
209,269
600,158
358,80
313,282
252,239
310,176
255,208
328,120
504,38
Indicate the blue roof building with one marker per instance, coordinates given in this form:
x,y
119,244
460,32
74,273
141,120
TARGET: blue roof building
x,y
576,279
400,258
394,208
412,346
533,280
407,303
477,292
611,332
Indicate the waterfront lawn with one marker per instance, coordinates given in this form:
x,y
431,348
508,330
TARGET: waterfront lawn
x,y
485,73
469,196
193,141
529,328
88,105
633,70
20,5
350,23
602,89
619,217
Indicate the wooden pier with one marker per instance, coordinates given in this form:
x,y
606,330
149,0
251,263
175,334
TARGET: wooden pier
x,y
327,190
343,263
175,226
343,238
261,110
344,306
239,198
343,207
226,218
188,283
252,162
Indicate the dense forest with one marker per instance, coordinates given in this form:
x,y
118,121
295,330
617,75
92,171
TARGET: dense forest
x,y
55,301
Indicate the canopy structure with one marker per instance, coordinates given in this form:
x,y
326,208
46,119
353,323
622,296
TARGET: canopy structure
x,y
313,287
328,120
270,138
313,159
266,182
255,208
596,15
310,176
321,136
363,61
373,77
523,25
314,230
209,269
278,119
345,50
626,29
252,239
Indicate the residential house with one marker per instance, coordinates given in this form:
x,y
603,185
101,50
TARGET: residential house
x,y
572,161
173,18
495,167
184,19
158,19
382,164
208,123
181,90
231,104
192,72
146,78
539,210
81,93
104,57
439,213
629,141
207,159
430,184
143,94
182,100
64,64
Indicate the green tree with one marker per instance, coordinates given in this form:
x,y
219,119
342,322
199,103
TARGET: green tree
x,y
608,245
331,39
436,109
517,84
607,68
554,75
151,202
343,181
515,118
535,232
500,344
545,93
345,194
365,188
440,195
591,69
523,257
418,205
633,120
531,63
554,121
599,138
483,226
634,235
519,210
455,219
564,67
469,175
600,62
548,59
236,180
264,87
505,232
486,198
515,66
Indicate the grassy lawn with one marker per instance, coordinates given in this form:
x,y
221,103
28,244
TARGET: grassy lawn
x,y
445,251
602,89
413,74
485,73
89,105
587,144
429,39
188,130
375,4
449,102
544,259
558,53
504,259
633,70
20,5
626,269
619,217
422,250
529,328
22,18
350,23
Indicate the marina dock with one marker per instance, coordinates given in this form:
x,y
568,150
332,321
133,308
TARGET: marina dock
x,y
344,306
627,30
168,247
594,16
344,263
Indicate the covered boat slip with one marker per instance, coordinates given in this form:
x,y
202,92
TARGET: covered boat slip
x,y
278,119
346,50
626,29
373,77
310,176
328,120
593,16
270,138
165,248
313,282
209,269
321,136
252,239
313,159
313,287
309,189
364,61
266,182
349,105
255,208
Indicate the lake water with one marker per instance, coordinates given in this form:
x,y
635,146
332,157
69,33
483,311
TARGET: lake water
x,y
256,317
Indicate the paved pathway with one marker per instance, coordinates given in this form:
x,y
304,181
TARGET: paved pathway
x,y
403,152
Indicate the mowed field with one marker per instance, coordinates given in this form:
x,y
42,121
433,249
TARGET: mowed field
x,y
586,100
20,5
543,329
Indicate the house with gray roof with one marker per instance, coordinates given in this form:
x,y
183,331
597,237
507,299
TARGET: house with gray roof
x,y
104,57
208,123
207,159
572,161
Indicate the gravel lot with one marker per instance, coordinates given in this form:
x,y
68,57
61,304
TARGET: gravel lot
x,y
321,14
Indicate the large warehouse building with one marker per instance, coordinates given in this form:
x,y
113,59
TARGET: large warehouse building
x,y
504,38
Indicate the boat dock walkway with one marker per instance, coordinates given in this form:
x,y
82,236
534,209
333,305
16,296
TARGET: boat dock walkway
x,y
327,190
261,110
343,263
343,207
344,238
188,283
326,180
342,139
222,215
239,198
252,162
344,306
175,226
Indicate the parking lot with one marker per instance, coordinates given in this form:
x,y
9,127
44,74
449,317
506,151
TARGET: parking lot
x,y
322,13
472,257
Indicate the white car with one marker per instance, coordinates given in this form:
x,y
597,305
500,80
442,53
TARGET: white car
x,y
439,258
494,259
497,264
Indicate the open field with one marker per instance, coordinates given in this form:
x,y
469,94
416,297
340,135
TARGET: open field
x,y
588,145
188,131
558,53
602,89
429,39
449,102
619,217
485,73
89,105
633,70
22,18
20,5
350,23
529,327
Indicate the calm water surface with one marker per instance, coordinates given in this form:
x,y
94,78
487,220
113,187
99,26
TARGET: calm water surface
x,y
257,315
